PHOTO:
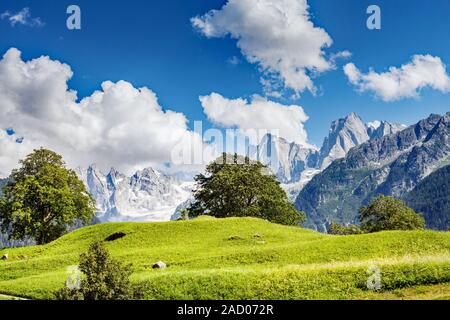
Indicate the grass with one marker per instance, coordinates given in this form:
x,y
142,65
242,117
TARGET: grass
x,y
9,298
242,258
432,292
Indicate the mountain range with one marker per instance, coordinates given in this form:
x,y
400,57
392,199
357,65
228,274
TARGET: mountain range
x,y
148,195
295,165
392,165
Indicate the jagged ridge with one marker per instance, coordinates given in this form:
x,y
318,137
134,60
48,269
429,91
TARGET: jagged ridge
x,y
391,165
148,195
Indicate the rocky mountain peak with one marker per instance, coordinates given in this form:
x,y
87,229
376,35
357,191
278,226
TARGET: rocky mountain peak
x,y
349,132
344,134
147,195
286,159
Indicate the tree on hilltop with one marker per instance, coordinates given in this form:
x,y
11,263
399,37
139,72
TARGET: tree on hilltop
x,y
239,187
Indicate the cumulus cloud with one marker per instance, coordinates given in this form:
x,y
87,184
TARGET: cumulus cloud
x,y
424,71
119,125
278,35
258,114
23,17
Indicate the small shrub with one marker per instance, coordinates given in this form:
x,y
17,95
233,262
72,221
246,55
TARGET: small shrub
x,y
104,278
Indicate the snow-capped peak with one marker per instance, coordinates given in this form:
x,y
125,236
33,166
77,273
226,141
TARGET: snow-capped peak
x,y
147,195
374,124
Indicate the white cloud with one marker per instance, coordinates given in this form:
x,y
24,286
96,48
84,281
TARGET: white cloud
x,y
23,17
424,71
259,113
5,14
234,61
278,35
340,55
119,125
352,73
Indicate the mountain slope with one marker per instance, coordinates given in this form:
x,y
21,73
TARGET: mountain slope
x,y
392,165
431,197
237,258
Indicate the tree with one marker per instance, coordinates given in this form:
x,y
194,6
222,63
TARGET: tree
x,y
387,213
43,199
104,278
242,188
340,230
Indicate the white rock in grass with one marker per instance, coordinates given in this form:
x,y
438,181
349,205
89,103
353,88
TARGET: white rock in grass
x,y
159,265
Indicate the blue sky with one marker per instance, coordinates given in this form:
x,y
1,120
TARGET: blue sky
x,y
153,44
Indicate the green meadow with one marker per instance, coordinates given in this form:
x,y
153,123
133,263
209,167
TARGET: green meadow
x,y
243,258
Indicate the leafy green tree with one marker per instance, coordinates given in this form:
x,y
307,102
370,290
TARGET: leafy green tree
x,y
104,278
43,199
242,188
388,213
340,230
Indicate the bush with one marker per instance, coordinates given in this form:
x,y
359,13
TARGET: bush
x,y
340,230
104,278
387,213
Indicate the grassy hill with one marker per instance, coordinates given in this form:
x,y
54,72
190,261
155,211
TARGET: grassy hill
x,y
241,258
